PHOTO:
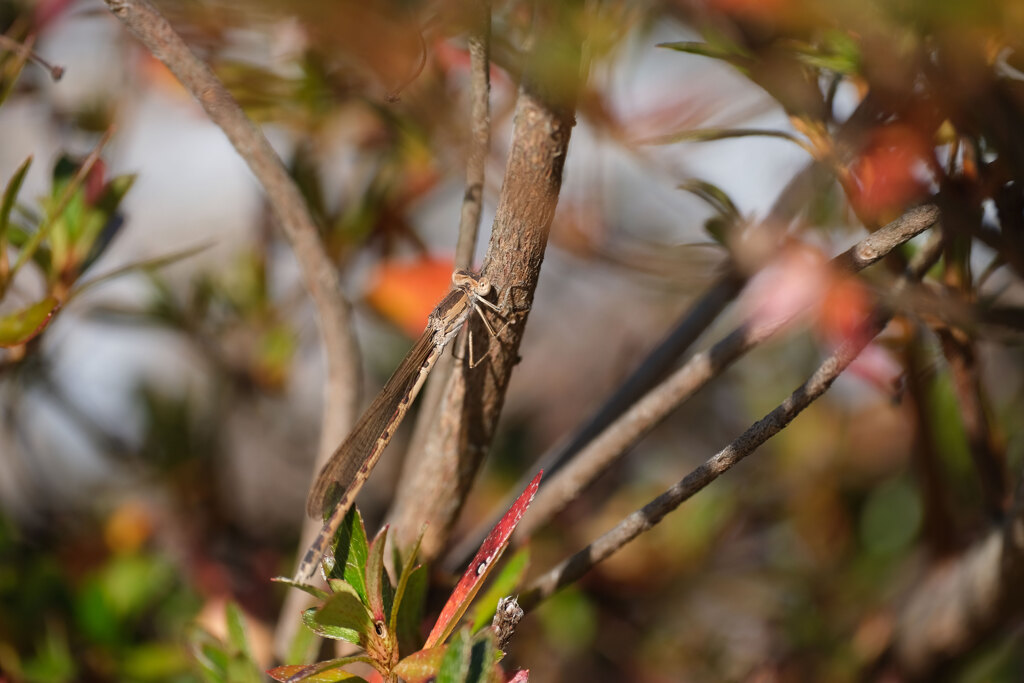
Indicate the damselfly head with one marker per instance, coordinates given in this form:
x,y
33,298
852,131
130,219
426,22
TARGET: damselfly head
x,y
465,280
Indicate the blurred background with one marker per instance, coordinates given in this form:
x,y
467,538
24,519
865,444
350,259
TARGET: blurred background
x,y
158,428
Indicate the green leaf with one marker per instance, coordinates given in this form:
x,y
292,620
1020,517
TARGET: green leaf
x,y
375,576
714,196
718,228
304,647
65,205
410,610
569,620
209,654
114,193
342,617
10,195
455,663
22,326
713,134
53,661
104,223
132,584
327,671
723,52
891,518
236,629
347,561
405,571
12,71
309,618
154,661
317,593
838,52
483,659
503,585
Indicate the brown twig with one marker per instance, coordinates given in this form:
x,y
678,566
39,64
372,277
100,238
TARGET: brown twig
x,y
318,273
644,519
938,528
480,139
26,52
435,482
342,387
649,411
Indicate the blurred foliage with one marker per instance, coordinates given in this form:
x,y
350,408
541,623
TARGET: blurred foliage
x,y
74,611
788,570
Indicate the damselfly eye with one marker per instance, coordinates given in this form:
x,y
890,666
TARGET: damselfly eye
x,y
483,287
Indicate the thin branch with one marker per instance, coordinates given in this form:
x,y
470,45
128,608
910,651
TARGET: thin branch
x,y
937,528
644,519
480,140
318,273
472,203
341,351
434,483
649,411
26,52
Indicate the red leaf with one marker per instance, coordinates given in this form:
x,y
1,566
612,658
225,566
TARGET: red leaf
x,y
493,546
891,172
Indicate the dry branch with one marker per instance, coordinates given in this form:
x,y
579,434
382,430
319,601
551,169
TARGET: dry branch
x,y
657,404
341,351
644,519
318,273
435,482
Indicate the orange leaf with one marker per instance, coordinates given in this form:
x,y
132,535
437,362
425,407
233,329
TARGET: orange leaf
x,y
891,172
844,308
406,293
